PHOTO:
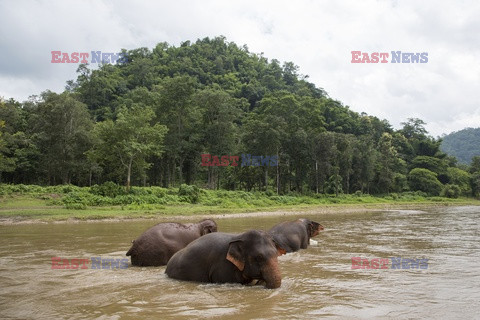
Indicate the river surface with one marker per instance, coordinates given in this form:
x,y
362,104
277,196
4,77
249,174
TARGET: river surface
x,y
318,282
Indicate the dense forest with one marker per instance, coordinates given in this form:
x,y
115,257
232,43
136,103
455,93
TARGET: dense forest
x,y
149,121
463,144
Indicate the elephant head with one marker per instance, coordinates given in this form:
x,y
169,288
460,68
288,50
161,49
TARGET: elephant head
x,y
313,228
207,226
255,254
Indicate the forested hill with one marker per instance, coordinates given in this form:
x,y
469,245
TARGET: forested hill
x,y
463,144
149,121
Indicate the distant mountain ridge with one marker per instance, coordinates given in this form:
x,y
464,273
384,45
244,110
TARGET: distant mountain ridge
x,y
463,144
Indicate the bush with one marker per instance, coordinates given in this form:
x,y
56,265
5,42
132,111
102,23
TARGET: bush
x,y
75,200
460,178
399,182
451,191
107,189
424,180
69,188
270,192
76,206
189,192
7,189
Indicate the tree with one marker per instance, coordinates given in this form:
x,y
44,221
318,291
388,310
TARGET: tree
x,y
475,165
345,158
431,163
7,164
262,137
424,180
219,128
475,183
60,128
413,128
460,178
363,164
128,140
11,120
386,161
176,110
475,176
98,89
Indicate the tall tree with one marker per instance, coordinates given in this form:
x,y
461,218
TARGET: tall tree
x,y
60,127
475,176
387,157
221,113
7,161
175,110
129,140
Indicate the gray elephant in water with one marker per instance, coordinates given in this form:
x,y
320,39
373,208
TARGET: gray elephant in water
x,y
295,235
158,244
229,258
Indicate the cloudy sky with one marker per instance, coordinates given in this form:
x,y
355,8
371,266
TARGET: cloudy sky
x,y
318,36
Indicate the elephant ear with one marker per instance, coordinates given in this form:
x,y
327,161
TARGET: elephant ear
x,y
208,226
235,254
206,230
313,228
280,250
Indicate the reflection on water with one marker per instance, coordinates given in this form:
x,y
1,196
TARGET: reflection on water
x,y
317,282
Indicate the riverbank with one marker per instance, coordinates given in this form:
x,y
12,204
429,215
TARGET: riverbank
x,y
42,215
67,203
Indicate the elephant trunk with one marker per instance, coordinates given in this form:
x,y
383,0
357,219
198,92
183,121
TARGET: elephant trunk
x,y
271,274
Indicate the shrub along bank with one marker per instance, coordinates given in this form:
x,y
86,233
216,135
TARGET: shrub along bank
x,y
111,200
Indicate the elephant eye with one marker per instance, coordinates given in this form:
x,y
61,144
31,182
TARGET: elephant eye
x,y
260,258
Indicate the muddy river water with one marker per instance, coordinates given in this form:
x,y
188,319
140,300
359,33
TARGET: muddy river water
x,y
319,282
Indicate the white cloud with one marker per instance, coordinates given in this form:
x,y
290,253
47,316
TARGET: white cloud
x,y
316,35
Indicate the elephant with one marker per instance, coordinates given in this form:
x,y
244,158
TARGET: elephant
x,y
295,235
157,245
247,258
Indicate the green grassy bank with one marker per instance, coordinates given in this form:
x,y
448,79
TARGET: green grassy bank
x,y
31,202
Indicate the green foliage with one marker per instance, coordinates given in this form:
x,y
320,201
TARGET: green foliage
x,y
191,193
7,189
73,202
431,163
129,139
475,165
475,176
400,182
148,121
61,129
386,163
475,183
107,189
424,180
461,179
76,200
451,191
414,128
